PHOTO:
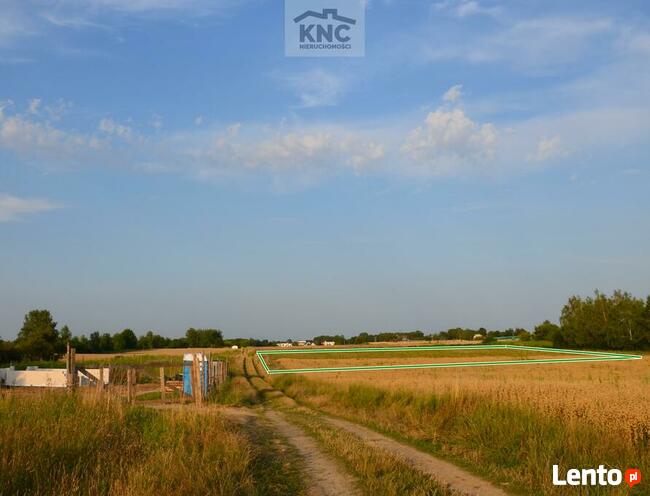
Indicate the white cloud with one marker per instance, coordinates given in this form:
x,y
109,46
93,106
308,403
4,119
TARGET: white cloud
x,y
313,151
548,149
14,208
37,138
112,128
536,46
466,8
188,7
453,93
48,19
315,88
156,122
15,23
6,104
33,105
450,140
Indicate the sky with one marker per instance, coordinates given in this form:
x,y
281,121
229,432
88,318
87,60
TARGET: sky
x,y
164,165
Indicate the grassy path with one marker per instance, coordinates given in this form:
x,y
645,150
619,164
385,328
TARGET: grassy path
x,y
420,473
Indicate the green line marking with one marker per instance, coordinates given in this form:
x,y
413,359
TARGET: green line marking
x,y
583,356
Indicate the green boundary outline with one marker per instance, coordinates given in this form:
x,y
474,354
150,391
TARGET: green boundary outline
x,y
588,356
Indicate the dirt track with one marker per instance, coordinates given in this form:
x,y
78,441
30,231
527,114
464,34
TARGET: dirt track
x,y
447,474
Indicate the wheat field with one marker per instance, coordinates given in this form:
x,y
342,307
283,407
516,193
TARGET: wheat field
x,y
507,423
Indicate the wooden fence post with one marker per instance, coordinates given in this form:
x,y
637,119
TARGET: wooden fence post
x,y
100,382
196,386
71,367
162,383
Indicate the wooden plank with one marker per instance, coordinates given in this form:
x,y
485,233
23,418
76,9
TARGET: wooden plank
x,y
196,387
162,383
100,383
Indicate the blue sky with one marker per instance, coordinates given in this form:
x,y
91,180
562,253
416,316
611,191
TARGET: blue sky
x,y
164,165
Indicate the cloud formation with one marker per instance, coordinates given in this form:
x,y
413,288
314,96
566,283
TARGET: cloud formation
x,y
32,138
453,93
548,149
466,8
450,140
13,208
315,88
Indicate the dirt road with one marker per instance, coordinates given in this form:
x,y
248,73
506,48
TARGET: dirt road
x,y
447,474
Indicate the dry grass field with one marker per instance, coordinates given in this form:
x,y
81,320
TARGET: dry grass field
x,y
333,359
506,424
612,395
510,423
54,443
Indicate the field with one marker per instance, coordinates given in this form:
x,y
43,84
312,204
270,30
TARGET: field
x,y
420,357
508,423
431,430
54,443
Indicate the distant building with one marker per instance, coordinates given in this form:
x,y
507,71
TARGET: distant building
x,y
478,336
328,343
285,345
302,343
234,347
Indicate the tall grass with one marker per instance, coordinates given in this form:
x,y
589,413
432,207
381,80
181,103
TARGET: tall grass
x,y
507,443
54,443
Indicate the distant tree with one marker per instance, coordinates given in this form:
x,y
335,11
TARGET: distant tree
x,y
130,339
64,338
145,342
178,343
38,338
125,340
105,343
615,322
546,330
338,339
9,352
204,338
80,343
94,341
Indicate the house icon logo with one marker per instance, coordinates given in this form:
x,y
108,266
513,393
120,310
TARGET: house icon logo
x,y
322,28
324,33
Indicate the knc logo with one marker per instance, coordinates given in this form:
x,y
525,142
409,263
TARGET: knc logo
x,y
324,28
600,476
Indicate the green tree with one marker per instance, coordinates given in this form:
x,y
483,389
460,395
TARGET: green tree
x,y
95,342
130,339
64,338
546,330
125,340
38,338
615,322
8,352
204,338
105,342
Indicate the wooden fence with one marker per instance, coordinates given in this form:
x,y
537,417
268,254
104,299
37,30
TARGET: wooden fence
x,y
206,376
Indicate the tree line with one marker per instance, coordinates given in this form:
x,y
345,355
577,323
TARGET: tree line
x,y
39,339
617,322
457,333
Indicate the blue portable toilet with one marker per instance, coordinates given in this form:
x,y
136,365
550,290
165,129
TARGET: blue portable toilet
x,y
187,372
